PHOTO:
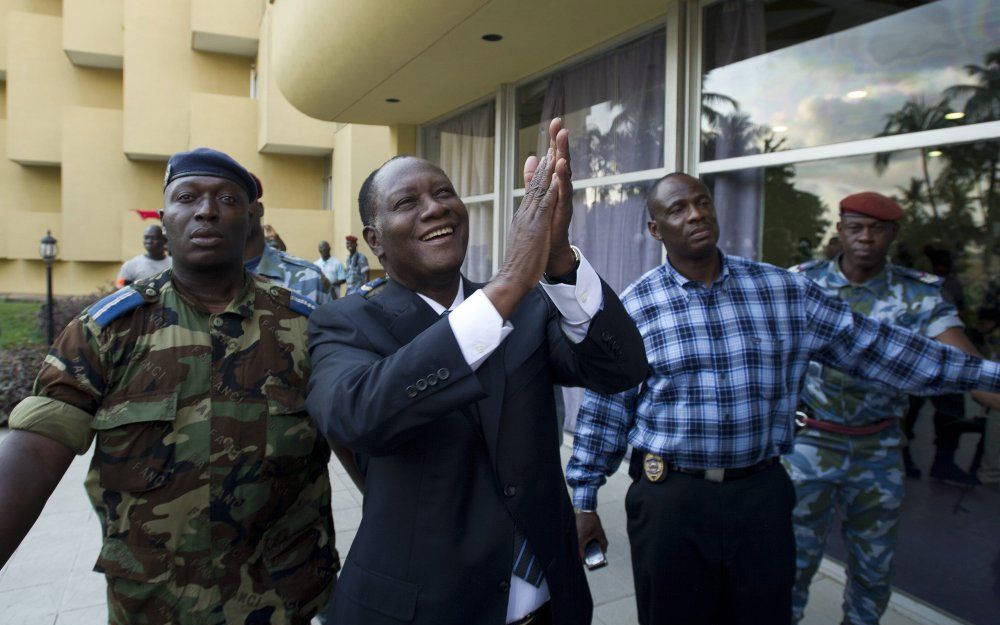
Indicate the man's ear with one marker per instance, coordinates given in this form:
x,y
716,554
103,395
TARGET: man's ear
x,y
374,240
654,231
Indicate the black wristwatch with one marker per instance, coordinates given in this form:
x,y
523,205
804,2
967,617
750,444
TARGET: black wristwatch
x,y
570,276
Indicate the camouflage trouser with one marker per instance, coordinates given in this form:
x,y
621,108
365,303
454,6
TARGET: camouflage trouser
x,y
863,480
989,470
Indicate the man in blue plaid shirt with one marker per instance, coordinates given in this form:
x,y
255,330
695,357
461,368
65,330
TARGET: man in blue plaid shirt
x,y
728,342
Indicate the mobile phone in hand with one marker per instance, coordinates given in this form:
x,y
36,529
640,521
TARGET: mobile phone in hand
x,y
594,557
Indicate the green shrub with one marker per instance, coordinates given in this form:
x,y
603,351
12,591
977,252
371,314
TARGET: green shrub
x,y
19,366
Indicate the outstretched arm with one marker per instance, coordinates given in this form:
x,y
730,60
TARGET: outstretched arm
x,y
31,466
957,338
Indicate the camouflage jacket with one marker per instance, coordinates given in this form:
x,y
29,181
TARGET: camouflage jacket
x,y
904,297
208,476
294,273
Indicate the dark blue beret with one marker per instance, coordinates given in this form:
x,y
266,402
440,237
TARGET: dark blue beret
x,y
209,162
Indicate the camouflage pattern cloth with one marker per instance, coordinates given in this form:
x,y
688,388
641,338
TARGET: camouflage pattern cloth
x,y
208,476
861,476
294,273
357,268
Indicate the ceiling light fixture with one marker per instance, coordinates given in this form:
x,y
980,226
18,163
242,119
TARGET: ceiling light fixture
x,y
392,100
934,153
954,115
857,95
780,129
492,37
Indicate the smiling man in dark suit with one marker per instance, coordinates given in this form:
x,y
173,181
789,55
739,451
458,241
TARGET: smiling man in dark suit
x,y
466,514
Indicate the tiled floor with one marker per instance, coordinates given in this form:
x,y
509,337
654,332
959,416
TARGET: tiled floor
x,y
49,580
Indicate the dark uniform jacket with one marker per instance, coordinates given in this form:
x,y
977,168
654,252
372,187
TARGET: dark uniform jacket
x,y
457,458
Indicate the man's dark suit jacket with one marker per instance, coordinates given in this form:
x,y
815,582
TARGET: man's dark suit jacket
x,y
457,458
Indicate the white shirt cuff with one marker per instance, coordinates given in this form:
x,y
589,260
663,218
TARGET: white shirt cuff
x,y
478,328
577,303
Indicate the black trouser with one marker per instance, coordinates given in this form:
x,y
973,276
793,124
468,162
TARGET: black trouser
x,y
713,553
949,419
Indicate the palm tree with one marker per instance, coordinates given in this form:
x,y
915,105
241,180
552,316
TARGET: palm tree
x,y
914,116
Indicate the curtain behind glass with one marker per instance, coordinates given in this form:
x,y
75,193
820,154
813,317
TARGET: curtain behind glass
x,y
465,151
739,34
613,108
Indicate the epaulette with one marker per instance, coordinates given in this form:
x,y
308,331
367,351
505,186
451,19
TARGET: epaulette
x,y
806,266
373,288
916,274
109,308
301,304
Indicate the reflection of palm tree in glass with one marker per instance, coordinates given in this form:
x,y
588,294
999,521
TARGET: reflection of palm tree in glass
x,y
983,102
711,113
915,116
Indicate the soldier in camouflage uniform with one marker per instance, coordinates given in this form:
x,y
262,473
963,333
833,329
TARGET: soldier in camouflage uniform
x,y
278,267
848,455
208,476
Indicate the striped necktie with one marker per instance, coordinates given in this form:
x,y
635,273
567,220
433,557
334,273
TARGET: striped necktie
x,y
525,563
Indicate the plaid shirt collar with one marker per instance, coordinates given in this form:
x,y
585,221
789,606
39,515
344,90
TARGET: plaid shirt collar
x,y
688,285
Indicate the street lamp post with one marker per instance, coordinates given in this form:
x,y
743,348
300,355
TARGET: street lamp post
x,y
48,249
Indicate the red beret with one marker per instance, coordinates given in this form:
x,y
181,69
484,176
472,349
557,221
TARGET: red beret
x,y
873,205
352,238
260,187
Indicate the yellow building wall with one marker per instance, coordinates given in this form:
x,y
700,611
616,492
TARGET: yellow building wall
x,y
33,190
99,185
226,26
27,277
161,73
46,7
92,32
41,80
227,123
358,149
95,139
282,128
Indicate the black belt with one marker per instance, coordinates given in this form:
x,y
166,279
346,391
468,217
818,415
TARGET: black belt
x,y
652,466
535,617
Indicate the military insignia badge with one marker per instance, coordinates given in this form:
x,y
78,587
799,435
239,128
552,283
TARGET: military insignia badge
x,y
654,468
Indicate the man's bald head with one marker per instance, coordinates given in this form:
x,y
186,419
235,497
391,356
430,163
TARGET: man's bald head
x,y
653,193
155,242
368,198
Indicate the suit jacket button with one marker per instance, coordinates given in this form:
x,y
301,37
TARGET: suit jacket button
x,y
509,490
411,391
432,379
443,373
606,335
421,384
504,586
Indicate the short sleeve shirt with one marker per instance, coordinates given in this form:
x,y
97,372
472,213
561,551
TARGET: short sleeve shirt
x,y
208,476
903,297
143,266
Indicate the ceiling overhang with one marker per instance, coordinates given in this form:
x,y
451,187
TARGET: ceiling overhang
x,y
341,60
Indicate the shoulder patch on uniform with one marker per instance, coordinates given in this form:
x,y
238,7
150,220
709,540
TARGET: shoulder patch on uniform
x,y
109,308
916,274
373,288
301,304
806,266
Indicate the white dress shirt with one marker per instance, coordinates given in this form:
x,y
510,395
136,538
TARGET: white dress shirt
x,y
479,330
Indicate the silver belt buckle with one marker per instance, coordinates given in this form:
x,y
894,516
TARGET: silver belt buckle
x,y
715,475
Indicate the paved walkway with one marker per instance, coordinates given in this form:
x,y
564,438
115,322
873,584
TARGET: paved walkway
x,y
49,580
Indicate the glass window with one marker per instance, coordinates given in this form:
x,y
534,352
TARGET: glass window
x,y
779,75
478,265
612,106
951,196
463,147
